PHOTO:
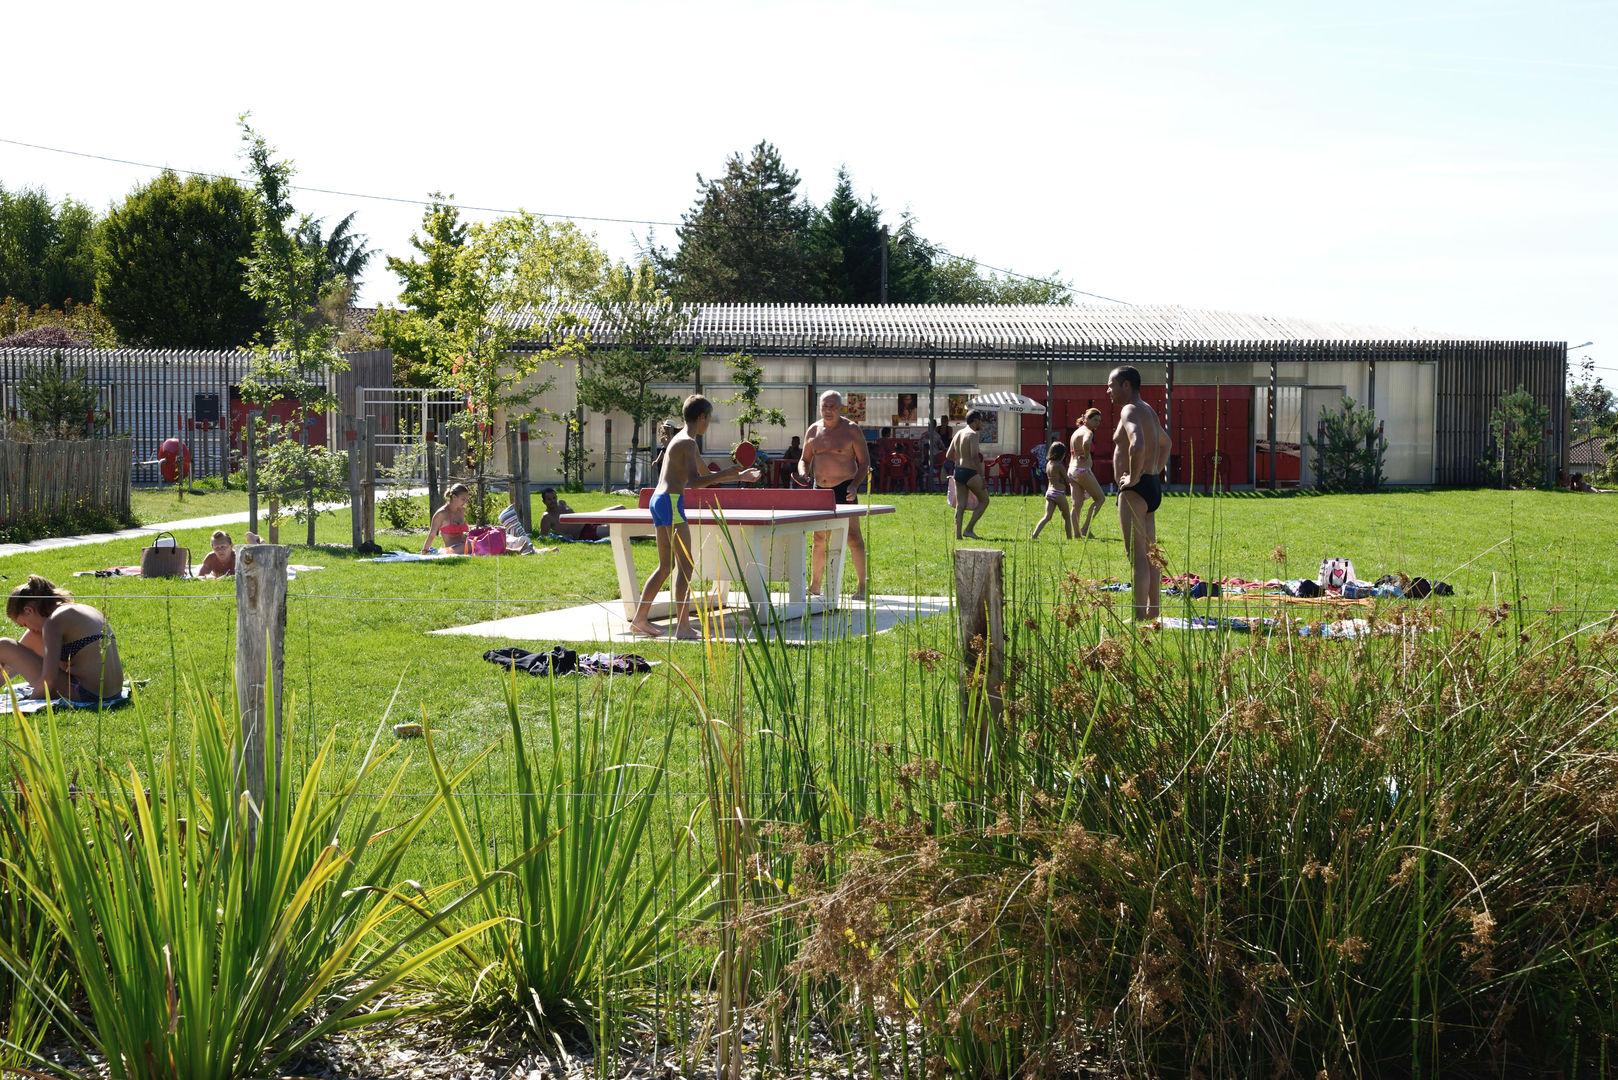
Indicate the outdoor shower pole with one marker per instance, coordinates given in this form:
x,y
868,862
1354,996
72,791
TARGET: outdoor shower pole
x,y
1270,420
1050,402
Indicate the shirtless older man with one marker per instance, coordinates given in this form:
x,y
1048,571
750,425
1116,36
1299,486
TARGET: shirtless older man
x,y
835,456
1140,452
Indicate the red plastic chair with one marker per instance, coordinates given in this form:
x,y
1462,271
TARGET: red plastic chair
x,y
1002,471
1022,474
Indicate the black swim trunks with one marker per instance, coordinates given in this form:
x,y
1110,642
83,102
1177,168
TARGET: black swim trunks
x,y
963,475
1148,488
840,492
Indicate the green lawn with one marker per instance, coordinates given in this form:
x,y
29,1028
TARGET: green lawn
x,y
172,503
357,632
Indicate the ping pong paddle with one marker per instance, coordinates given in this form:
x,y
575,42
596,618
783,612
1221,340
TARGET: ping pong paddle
x,y
746,453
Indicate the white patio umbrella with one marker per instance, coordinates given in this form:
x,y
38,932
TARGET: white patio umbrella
x,y
1006,402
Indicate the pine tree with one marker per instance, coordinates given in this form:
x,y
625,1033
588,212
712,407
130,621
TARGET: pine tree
x,y
58,401
1349,451
747,238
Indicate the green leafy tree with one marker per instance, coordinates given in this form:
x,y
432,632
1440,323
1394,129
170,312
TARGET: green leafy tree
x,y
58,402
285,275
460,337
748,375
74,325
1519,424
1349,451
550,262
747,238
1590,403
410,330
47,253
344,253
169,267
848,235
298,478
958,280
619,379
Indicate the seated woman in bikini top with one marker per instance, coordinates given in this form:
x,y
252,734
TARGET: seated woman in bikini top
x,y
450,522
67,650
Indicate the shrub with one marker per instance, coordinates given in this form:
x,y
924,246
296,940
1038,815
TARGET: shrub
x,y
1349,450
1519,424
57,402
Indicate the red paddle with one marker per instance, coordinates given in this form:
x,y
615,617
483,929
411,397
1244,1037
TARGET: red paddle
x,y
746,453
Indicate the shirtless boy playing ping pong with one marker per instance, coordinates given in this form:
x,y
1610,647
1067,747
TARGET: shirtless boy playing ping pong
x,y
682,469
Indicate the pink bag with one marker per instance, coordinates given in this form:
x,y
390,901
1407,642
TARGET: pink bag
x,y
952,496
486,540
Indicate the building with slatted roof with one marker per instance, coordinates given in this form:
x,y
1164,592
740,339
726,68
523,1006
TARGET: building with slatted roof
x,y
1240,393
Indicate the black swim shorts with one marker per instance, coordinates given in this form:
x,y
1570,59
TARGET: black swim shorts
x,y
1148,488
840,492
964,475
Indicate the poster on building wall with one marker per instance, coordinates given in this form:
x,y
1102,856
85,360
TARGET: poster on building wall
x,y
906,413
957,406
854,408
991,430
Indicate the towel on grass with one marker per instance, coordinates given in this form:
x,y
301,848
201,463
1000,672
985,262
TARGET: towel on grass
x,y
434,555
562,661
293,570
560,539
16,697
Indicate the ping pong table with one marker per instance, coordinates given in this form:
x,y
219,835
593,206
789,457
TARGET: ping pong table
x,y
749,535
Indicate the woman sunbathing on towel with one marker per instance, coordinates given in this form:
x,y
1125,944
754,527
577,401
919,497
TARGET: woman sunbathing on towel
x,y
67,650
450,522
221,561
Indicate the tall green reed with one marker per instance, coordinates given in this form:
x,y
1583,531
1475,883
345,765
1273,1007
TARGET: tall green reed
x,y
195,950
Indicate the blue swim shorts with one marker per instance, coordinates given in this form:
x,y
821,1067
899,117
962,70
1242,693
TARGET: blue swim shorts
x,y
662,508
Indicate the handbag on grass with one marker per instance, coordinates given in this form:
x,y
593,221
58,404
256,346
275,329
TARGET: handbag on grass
x,y
165,558
486,540
1335,573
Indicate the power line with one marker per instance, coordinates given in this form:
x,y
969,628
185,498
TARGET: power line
x,y
509,213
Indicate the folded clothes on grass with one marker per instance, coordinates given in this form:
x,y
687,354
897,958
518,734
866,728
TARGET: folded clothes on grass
x,y
560,539
1338,628
19,697
564,661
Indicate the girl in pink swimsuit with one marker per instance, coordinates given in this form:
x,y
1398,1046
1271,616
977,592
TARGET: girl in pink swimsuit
x,y
1056,488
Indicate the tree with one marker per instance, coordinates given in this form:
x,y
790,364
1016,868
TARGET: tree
x,y
747,238
47,253
551,261
748,375
618,380
344,254
285,276
849,239
1519,423
1590,403
1349,451
58,401
958,280
411,330
169,268
74,326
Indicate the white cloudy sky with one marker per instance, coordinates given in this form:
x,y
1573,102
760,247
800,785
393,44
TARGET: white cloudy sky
x,y
1443,163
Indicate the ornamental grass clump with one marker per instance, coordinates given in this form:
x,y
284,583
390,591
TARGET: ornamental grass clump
x,y
202,946
1225,856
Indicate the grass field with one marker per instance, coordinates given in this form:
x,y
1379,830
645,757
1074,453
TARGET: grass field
x,y
866,722
357,632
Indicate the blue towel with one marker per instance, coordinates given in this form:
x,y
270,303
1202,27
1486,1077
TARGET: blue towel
x,y
16,697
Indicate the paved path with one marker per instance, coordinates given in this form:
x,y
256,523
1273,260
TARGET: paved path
x,y
214,522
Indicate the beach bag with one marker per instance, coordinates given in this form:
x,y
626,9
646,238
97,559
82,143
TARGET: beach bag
x,y
1335,573
165,558
953,495
486,540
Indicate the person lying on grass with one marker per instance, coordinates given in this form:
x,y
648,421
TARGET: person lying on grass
x,y
682,469
221,561
67,650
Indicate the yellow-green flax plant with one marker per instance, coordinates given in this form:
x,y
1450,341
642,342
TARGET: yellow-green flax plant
x,y
579,909
196,953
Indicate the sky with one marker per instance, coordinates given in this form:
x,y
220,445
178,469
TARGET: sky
x,y
1449,165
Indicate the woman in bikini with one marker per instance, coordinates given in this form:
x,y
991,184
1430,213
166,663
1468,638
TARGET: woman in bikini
x,y
67,650
1056,486
450,522
1081,478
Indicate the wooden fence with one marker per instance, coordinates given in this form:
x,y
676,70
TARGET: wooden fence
x,y
42,479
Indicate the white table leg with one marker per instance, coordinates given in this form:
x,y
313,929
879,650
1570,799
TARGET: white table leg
x,y
623,556
837,549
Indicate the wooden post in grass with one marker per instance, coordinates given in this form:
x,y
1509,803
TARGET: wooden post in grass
x,y
513,483
368,476
356,532
525,508
261,621
252,470
980,605
433,499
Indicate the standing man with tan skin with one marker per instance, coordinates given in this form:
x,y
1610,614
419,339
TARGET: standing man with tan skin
x,y
965,453
1140,452
835,456
682,468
